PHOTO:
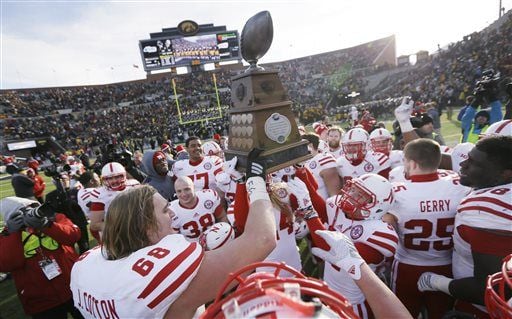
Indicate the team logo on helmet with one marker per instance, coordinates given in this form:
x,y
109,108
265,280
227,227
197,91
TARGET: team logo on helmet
x,y
281,193
207,166
208,204
368,167
356,231
312,164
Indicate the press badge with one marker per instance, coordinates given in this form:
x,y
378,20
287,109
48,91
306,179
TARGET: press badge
x,y
50,267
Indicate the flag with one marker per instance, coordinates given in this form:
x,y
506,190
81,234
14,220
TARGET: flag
x,y
135,66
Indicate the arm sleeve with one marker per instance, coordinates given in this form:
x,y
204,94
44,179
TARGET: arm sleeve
x,y
369,254
63,230
317,201
11,252
315,224
487,260
467,120
496,114
241,207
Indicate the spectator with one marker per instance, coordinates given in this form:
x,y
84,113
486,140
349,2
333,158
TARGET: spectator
x,y
475,123
433,112
157,168
424,127
39,253
23,186
39,184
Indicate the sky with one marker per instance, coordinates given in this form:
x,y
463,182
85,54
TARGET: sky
x,y
66,42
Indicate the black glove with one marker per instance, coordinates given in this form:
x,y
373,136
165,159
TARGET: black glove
x,y
15,222
256,166
57,200
38,217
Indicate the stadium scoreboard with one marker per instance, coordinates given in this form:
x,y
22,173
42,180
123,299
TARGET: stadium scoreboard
x,y
189,45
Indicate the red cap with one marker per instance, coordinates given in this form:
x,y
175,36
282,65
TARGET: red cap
x,y
158,156
216,136
33,164
164,147
320,129
179,148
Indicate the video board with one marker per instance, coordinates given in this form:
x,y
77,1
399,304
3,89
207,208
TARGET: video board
x,y
166,52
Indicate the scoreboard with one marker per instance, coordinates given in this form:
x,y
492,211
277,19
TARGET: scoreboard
x,y
168,50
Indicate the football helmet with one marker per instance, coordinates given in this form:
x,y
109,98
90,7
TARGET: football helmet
x,y
33,164
501,128
113,176
381,141
369,194
267,294
354,144
211,148
495,291
217,235
460,154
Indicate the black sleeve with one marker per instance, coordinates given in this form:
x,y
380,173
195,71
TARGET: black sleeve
x,y
472,289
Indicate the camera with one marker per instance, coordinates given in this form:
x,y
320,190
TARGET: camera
x,y
488,82
44,210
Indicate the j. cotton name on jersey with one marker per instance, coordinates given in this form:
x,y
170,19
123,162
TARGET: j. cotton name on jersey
x,y
101,309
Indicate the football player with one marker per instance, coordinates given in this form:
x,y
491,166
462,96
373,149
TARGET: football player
x,y
423,214
357,160
482,234
201,169
323,167
113,176
194,212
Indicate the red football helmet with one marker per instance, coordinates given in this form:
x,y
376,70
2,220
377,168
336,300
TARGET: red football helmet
x,y
268,294
495,300
354,144
381,141
113,175
371,194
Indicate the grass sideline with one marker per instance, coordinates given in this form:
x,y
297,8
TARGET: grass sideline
x,y
10,306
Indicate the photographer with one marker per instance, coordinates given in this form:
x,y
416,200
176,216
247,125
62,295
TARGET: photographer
x,y
473,124
36,247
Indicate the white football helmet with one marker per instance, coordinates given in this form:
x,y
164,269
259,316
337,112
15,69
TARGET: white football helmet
x,y
354,144
460,154
217,235
211,148
113,176
496,301
369,194
501,128
381,141
266,294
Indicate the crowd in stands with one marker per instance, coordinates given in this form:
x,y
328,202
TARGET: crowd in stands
x,y
317,85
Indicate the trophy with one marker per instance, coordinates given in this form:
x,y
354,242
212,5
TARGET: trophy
x,y
260,115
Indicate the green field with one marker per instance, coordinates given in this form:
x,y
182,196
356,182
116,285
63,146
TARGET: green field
x,y
10,306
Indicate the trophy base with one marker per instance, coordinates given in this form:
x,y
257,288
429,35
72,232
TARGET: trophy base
x,y
278,158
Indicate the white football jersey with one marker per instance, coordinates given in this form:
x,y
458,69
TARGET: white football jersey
x,y
142,285
425,212
487,208
84,199
373,163
192,222
105,195
396,158
316,165
375,233
336,153
229,191
286,249
202,173
397,175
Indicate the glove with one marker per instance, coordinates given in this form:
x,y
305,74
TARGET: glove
x,y
256,166
403,115
31,218
299,189
342,254
229,168
56,200
429,281
15,222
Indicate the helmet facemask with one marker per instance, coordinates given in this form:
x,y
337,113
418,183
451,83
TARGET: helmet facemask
x,y
357,198
115,182
381,145
354,151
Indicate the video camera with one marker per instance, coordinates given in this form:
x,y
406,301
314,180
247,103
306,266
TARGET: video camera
x,y
123,157
488,82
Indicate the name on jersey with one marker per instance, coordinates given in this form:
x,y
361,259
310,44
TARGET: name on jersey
x,y
97,308
436,205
